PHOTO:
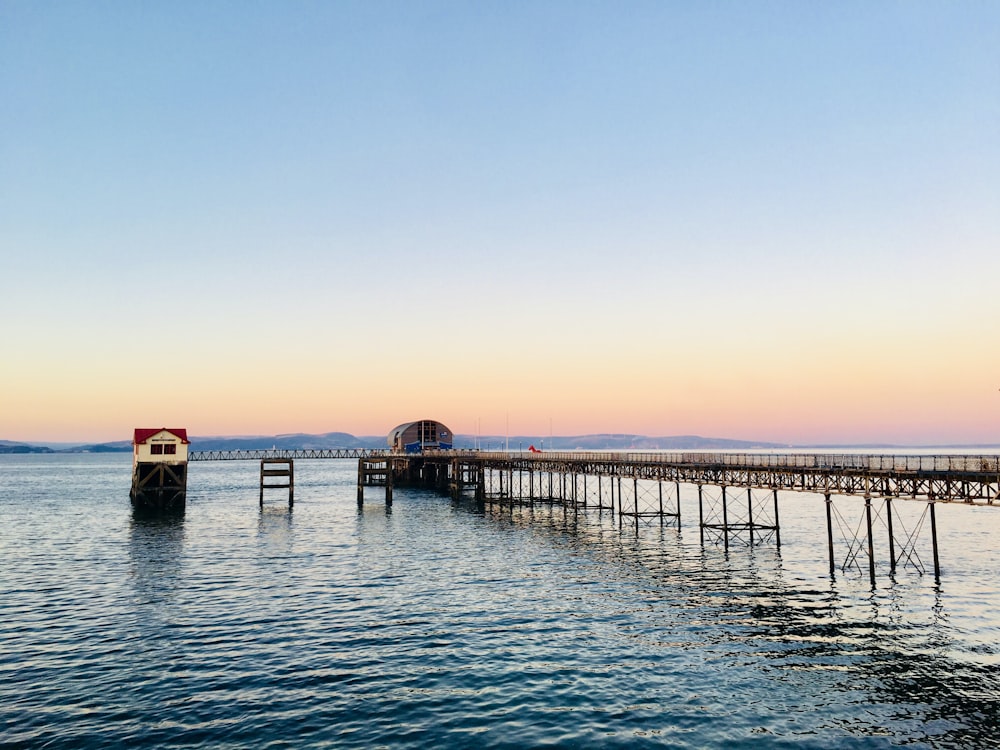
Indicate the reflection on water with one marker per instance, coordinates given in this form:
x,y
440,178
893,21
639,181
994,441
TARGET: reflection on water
x,y
156,547
434,622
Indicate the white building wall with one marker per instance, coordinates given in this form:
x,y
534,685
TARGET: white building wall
x,y
143,452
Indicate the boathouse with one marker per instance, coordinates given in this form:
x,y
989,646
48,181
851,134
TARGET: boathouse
x,y
420,436
160,445
159,468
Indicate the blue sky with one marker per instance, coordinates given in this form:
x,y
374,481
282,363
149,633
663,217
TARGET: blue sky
x,y
721,217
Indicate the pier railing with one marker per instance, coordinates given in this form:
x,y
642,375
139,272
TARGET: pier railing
x,y
278,453
868,462
978,464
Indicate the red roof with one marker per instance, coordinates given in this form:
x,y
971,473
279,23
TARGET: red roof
x,y
144,434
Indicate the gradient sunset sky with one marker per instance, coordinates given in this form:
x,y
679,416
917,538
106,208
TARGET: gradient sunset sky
x,y
762,220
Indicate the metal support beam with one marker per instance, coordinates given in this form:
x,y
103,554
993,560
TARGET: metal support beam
x,y
934,543
871,543
829,533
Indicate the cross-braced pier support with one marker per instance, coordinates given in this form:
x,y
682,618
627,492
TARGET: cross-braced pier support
x,y
879,516
159,486
647,499
746,515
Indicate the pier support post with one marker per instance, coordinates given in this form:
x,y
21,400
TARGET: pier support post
x,y
635,502
829,533
892,540
701,516
725,520
159,487
777,525
871,543
620,508
934,543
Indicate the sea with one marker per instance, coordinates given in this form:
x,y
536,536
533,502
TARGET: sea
x,y
437,622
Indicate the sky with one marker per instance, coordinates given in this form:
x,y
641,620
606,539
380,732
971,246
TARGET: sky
x,y
774,221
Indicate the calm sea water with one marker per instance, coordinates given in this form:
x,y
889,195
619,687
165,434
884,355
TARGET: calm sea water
x,y
438,624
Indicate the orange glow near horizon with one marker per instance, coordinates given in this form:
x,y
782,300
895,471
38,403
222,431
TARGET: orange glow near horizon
x,y
784,402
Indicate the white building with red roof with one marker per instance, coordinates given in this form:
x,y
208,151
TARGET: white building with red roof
x,y
160,445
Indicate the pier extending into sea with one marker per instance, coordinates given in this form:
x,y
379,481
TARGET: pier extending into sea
x,y
737,493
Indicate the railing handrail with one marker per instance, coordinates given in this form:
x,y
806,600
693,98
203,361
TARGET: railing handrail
x,y
253,454
979,464
868,462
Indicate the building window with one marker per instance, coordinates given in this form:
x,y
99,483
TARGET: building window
x,y
156,449
427,432
170,449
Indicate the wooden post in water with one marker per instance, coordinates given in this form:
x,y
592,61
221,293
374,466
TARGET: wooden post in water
x,y
281,469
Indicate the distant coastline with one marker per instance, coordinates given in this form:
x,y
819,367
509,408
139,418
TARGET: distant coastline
x,y
602,441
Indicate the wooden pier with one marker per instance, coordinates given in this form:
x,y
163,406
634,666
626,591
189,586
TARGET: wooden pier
x,y
737,493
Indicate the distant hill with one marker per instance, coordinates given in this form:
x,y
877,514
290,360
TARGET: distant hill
x,y
303,441
298,441
620,442
120,446
6,446
595,442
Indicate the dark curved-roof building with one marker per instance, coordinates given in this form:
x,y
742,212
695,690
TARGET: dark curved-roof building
x,y
416,437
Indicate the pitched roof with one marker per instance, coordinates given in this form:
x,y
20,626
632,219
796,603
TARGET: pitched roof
x,y
144,434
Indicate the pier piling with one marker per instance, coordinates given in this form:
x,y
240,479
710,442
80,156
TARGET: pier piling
x,y
277,473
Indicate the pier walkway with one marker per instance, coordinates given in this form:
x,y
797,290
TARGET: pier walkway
x,y
973,479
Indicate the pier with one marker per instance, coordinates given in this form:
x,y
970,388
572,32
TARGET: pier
x,y
737,493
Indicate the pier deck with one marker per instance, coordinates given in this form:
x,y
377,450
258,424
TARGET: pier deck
x,y
973,479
